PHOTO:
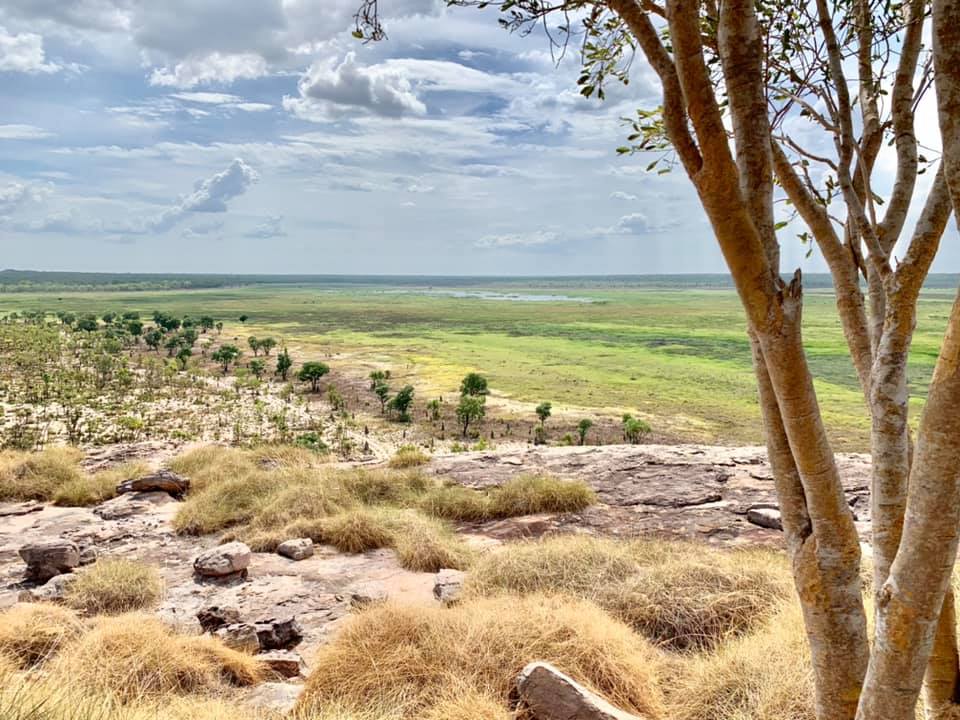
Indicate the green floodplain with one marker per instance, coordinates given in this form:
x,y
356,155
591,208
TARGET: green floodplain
x,y
672,349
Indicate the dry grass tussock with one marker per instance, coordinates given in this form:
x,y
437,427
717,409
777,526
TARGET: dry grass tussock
x,y
54,475
32,633
410,657
408,456
131,657
113,586
679,595
521,495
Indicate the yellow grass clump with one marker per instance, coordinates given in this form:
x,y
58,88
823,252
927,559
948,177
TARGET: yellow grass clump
x,y
113,586
667,591
427,545
408,456
357,531
32,633
94,489
133,656
765,675
408,657
39,475
531,494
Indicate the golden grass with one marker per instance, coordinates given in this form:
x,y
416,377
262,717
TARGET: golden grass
x,y
113,586
31,633
409,657
765,675
425,544
357,531
459,702
531,494
408,456
212,464
456,502
38,476
667,591
133,656
94,489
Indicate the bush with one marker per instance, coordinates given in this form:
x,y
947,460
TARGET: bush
x,y
456,502
357,531
410,657
136,656
427,545
408,456
38,476
112,586
32,633
531,494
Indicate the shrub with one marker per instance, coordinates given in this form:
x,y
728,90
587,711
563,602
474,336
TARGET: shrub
x,y
38,476
456,502
112,586
423,544
375,487
409,657
136,656
32,633
408,456
530,494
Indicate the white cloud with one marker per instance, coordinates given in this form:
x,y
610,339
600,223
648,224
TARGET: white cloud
x,y
23,53
271,227
532,239
209,196
621,195
17,194
212,68
23,132
224,100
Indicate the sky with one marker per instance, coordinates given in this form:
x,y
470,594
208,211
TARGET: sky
x,y
243,136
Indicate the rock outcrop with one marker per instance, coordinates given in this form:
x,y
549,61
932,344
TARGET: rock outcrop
x,y
448,585
298,549
548,694
160,481
224,561
48,558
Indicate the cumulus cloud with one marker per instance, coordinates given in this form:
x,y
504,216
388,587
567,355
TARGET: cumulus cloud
x,y
23,132
212,68
531,239
271,227
17,194
23,53
621,195
209,196
391,88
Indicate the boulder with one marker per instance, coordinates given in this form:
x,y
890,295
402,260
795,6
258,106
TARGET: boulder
x,y
48,558
298,549
274,697
88,555
278,633
229,560
447,585
53,590
366,594
160,481
214,617
284,663
239,636
548,694
767,516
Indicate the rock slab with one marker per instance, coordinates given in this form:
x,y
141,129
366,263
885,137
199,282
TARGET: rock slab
x,y
223,561
278,633
284,663
48,558
548,694
448,585
766,516
298,549
160,481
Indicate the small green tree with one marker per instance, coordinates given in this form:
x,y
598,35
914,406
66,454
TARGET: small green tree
x,y
312,372
543,412
473,384
471,409
284,363
635,429
206,323
226,354
254,344
219,327
172,343
382,391
88,323
377,377
583,427
258,366
135,328
434,407
183,356
243,318
267,344
153,338
400,403
108,318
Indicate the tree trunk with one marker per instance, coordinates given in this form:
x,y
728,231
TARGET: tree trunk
x,y
941,683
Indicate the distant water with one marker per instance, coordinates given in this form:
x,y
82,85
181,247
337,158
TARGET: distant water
x,y
490,295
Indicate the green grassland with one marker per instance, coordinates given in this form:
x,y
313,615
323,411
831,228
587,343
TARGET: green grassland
x,y
679,358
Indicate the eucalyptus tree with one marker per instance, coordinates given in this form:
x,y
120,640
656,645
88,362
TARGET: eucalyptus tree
x,y
767,100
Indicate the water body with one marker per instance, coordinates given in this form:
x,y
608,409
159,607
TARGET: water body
x,y
491,295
